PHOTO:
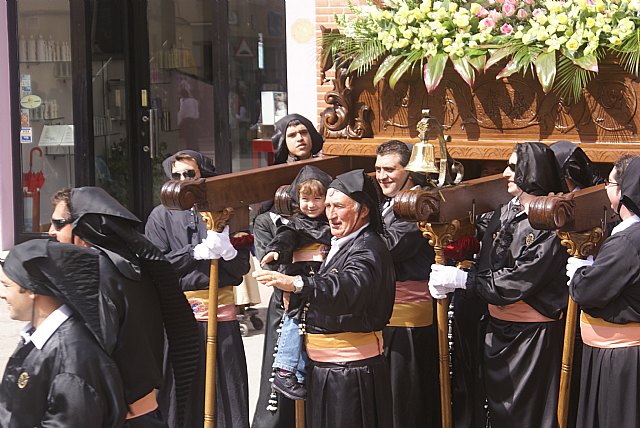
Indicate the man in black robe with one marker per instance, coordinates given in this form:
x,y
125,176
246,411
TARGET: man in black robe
x,y
58,375
519,274
350,302
410,338
608,292
180,235
295,138
141,300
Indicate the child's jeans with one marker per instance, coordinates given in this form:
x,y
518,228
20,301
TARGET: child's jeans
x,y
291,355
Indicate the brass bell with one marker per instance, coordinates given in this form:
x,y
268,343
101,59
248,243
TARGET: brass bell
x,y
422,158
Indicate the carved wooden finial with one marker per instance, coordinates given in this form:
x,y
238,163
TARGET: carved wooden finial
x,y
282,200
416,205
182,195
552,212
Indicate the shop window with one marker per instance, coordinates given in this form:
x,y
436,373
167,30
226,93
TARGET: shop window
x,y
46,114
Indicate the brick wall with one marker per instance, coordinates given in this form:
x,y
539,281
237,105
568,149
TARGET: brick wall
x,y
325,16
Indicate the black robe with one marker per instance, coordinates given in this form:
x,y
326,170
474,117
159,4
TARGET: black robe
x,y
264,230
70,382
522,359
353,292
411,352
610,290
176,233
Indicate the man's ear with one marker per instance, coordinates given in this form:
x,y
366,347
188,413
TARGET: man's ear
x,y
365,210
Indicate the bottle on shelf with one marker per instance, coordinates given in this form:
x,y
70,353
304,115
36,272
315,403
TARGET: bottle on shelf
x,y
31,49
22,48
41,49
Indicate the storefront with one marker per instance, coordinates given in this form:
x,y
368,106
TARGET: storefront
x,y
100,92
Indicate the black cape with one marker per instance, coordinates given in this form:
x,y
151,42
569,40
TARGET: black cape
x,y
353,292
143,297
70,382
610,289
411,352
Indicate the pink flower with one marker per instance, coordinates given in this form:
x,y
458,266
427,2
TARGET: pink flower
x,y
495,16
506,29
488,23
482,12
523,14
591,2
536,12
508,9
491,1
529,2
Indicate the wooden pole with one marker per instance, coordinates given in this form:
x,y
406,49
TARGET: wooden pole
x,y
299,413
581,245
440,235
215,221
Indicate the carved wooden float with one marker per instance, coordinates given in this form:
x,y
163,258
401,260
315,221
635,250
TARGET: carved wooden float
x,y
486,121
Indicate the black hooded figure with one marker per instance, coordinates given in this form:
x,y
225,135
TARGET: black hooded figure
x,y
141,302
60,375
265,226
280,150
576,165
176,233
350,302
520,275
608,292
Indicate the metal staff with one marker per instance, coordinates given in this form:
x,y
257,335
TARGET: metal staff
x,y
215,221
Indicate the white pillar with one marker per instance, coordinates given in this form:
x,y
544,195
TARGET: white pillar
x,y
302,58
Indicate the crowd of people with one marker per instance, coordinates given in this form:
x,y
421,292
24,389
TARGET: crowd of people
x,y
117,319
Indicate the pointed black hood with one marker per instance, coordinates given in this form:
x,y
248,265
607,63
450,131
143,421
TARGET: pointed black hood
x,y
537,170
205,163
308,172
575,164
280,150
363,189
630,186
65,271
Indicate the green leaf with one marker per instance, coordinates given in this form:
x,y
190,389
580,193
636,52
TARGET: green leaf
x,y
587,62
399,72
629,53
478,62
512,67
464,69
433,71
385,67
546,70
498,56
571,79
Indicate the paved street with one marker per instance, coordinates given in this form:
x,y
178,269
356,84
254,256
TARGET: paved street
x,y
9,330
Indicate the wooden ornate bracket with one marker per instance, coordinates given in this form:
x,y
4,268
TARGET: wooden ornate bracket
x,y
183,195
442,234
416,205
216,220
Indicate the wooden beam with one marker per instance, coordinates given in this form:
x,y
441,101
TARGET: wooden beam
x,y
248,187
477,150
449,203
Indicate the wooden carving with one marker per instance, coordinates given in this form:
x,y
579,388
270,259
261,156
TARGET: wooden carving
x,y
282,202
416,205
183,195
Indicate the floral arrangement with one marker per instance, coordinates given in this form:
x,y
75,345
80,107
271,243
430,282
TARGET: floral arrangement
x,y
559,41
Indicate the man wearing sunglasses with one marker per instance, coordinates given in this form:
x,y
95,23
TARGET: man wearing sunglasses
x,y
183,238
140,300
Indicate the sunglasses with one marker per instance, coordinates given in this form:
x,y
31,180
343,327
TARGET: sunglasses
x,y
608,183
511,166
190,173
59,223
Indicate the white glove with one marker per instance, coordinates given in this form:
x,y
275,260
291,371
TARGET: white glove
x,y
574,263
445,279
218,244
202,252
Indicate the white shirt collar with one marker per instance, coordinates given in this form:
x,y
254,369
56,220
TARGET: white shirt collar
x,y
49,326
625,224
337,243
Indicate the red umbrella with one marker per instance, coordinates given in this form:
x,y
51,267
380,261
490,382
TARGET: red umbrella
x,y
33,181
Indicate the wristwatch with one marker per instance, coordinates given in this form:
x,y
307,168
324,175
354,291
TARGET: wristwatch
x,y
298,284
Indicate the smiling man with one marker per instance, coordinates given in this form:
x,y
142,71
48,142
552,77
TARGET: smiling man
x,y
410,342
350,301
